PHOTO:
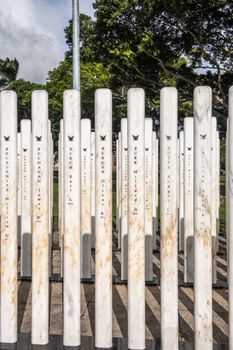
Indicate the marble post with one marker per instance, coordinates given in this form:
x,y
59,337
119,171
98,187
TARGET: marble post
x,y
124,200
40,219
117,187
227,180
93,189
181,191
19,189
26,199
154,188
103,252
168,219
188,202
229,195
49,196
72,241
119,190
218,186
148,200
61,192
214,198
8,171
202,219
85,198
136,219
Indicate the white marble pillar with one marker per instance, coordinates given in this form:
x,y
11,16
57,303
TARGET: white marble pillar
x,y
202,218
93,189
154,188
72,241
8,171
19,189
124,200
51,180
61,191
226,181
218,186
86,198
136,219
119,189
40,219
168,219
26,199
188,202
229,211
181,191
157,184
214,198
148,200
103,255
49,196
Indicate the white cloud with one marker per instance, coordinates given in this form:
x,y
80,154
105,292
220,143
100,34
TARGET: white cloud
x,y
33,32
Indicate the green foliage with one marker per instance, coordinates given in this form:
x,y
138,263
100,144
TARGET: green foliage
x,y
8,72
24,90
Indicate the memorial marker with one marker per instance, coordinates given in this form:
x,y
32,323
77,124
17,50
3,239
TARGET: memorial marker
x,y
148,200
8,171
188,202
103,229
86,198
181,191
19,189
40,219
93,189
72,238
119,189
136,219
124,200
168,218
26,185
202,218
214,197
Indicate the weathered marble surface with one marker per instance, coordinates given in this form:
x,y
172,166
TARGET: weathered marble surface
x,y
72,239
85,198
124,200
168,219
103,252
181,191
148,199
136,219
40,218
26,198
188,201
8,172
202,218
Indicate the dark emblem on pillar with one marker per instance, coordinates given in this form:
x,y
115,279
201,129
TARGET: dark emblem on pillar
x,y
38,138
203,137
7,138
168,137
135,137
71,138
103,138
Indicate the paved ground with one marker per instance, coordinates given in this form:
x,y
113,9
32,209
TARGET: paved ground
x,y
186,306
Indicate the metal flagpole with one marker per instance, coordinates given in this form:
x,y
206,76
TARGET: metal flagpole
x,y
76,41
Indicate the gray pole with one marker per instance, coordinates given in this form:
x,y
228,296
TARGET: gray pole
x,y
76,53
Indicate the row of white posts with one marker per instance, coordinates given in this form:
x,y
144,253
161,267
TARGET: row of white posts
x,y
81,210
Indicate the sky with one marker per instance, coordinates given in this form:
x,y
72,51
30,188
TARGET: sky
x,y
33,32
